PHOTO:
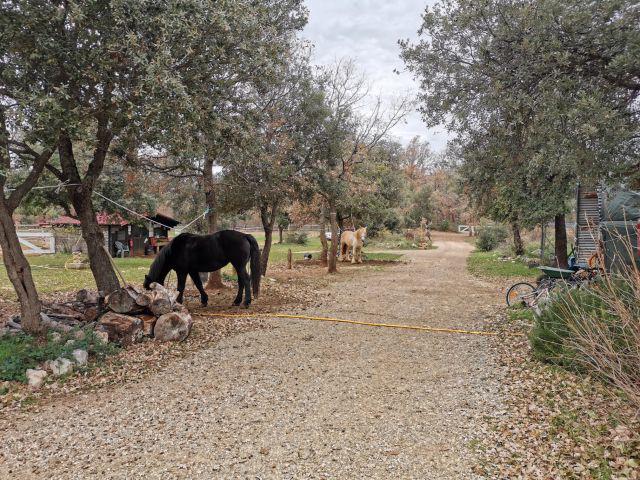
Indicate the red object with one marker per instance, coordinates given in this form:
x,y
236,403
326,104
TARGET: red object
x,y
103,219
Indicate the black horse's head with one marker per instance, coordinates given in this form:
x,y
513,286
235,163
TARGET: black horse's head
x,y
147,282
159,269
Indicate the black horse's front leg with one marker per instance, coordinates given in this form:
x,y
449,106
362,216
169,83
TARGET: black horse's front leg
x,y
182,281
197,281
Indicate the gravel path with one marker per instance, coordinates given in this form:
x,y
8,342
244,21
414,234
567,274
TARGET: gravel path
x,y
303,400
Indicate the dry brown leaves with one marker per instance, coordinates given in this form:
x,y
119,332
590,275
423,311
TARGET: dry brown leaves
x,y
555,424
281,290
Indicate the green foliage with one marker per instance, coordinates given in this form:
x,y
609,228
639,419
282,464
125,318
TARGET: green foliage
x,y
569,324
444,226
20,352
490,237
420,207
489,264
298,237
528,109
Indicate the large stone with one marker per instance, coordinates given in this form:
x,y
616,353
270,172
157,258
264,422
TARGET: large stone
x,y
122,329
61,366
172,327
36,377
80,356
148,323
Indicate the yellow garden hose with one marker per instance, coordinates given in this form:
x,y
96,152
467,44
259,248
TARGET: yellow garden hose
x,y
355,322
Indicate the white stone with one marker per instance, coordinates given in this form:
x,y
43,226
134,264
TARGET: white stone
x,y
36,377
80,356
79,335
102,336
56,337
61,366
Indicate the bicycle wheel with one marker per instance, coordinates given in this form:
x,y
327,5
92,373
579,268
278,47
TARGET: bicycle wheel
x,y
520,293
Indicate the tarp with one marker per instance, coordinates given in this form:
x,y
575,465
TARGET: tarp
x,y
623,205
619,229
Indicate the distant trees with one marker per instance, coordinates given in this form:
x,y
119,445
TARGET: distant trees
x,y
539,93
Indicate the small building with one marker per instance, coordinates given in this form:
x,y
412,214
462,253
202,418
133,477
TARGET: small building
x,y
142,238
608,221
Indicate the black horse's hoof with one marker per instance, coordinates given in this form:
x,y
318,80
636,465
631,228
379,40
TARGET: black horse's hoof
x,y
234,304
246,305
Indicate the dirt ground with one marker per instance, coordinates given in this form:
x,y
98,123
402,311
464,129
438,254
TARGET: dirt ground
x,y
302,399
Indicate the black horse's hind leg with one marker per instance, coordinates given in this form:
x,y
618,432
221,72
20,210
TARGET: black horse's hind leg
x,y
246,281
244,285
182,280
238,300
204,298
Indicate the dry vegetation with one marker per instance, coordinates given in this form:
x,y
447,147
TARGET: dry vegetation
x,y
556,424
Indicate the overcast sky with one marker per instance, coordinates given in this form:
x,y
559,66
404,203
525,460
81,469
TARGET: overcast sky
x,y
368,31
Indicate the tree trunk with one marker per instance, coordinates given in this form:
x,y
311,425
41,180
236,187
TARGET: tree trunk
x,y
19,273
215,278
99,261
280,229
561,241
80,191
518,245
268,220
323,238
333,251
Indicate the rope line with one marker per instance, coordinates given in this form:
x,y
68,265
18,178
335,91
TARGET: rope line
x,y
356,322
131,211
59,186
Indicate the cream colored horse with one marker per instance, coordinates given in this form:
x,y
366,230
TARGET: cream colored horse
x,y
352,242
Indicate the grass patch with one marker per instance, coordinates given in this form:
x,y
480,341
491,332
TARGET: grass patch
x,y
20,352
488,264
51,276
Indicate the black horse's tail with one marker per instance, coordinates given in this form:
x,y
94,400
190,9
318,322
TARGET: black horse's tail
x,y
256,270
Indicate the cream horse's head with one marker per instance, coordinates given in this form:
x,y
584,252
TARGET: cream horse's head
x,y
361,233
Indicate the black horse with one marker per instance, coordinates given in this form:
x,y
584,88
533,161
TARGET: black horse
x,y
189,254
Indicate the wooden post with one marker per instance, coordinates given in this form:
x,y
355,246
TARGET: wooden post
x,y
290,259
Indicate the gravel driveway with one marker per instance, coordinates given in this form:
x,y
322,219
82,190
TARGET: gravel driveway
x,y
302,400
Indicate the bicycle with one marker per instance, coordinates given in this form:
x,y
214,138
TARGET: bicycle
x,y
524,293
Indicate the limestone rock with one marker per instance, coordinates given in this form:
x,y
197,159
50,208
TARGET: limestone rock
x,y
123,329
173,326
36,377
61,366
80,356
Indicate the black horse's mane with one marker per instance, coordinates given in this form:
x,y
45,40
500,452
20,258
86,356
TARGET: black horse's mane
x,y
156,268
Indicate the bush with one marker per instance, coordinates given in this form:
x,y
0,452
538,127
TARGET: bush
x,y
393,221
595,329
297,236
490,237
443,226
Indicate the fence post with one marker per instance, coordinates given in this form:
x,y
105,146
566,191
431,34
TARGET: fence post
x,y
290,259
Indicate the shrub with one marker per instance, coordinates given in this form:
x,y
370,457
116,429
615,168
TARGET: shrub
x,y
393,221
443,226
20,352
596,329
297,236
490,237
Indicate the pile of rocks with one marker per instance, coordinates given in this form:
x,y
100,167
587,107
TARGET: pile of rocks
x,y
58,367
133,314
125,316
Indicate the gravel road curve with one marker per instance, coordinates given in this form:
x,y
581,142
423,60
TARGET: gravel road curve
x,y
302,400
